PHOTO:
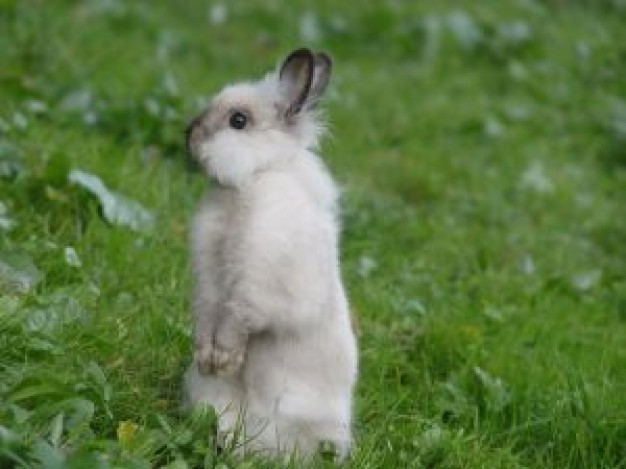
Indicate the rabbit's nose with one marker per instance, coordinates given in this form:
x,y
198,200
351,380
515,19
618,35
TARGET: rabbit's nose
x,y
189,131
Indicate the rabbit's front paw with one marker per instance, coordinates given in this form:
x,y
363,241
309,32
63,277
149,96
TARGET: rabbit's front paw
x,y
204,359
219,358
227,361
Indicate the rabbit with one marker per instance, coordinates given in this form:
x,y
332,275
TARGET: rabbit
x,y
275,353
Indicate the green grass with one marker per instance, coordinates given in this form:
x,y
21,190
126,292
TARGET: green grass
x,y
482,153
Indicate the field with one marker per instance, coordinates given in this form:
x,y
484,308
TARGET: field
x,y
481,150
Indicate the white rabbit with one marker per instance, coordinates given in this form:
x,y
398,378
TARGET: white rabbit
x,y
275,353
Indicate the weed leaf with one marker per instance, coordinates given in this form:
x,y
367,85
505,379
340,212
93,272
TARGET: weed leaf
x,y
116,208
18,273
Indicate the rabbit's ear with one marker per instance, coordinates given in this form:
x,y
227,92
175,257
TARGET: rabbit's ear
x,y
322,68
295,78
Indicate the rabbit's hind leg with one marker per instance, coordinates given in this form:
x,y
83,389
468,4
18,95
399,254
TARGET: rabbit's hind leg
x,y
224,394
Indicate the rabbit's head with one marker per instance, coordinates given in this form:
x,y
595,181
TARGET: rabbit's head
x,y
252,127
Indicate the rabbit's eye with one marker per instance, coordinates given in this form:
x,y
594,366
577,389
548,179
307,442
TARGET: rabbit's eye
x,y
238,120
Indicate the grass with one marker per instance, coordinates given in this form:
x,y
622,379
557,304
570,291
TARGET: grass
x,y
482,152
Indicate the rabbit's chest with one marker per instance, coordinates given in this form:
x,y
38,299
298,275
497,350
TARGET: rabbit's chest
x,y
227,236
267,230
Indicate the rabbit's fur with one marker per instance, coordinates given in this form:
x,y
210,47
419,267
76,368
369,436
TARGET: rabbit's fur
x,y
275,353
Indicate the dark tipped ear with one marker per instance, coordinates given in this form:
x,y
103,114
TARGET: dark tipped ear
x,y
295,77
322,69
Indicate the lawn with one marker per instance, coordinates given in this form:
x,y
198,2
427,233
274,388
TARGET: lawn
x,y
481,149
